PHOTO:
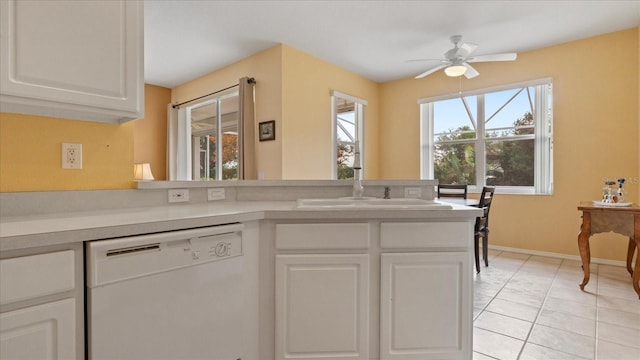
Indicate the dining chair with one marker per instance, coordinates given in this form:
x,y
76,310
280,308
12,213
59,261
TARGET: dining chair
x,y
481,229
452,191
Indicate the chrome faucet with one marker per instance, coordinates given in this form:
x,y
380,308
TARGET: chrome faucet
x,y
358,189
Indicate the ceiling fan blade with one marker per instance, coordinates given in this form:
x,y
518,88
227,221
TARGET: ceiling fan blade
x,y
431,71
417,60
493,57
465,50
471,72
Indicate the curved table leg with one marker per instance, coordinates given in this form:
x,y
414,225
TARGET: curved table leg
x,y
636,271
583,246
630,251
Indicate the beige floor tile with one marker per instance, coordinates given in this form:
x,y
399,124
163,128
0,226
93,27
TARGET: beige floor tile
x,y
538,271
495,345
562,340
522,296
613,271
571,307
545,260
564,321
478,356
618,317
619,334
625,283
538,299
476,312
612,351
574,294
516,310
610,302
503,324
619,292
481,301
527,282
537,352
573,282
576,265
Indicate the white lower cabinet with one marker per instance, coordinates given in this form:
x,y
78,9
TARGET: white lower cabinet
x,y
322,306
44,331
372,290
42,304
425,310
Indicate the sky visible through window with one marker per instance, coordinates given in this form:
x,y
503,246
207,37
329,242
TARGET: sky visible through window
x,y
347,120
451,114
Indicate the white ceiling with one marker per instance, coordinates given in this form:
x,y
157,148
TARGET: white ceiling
x,y
187,39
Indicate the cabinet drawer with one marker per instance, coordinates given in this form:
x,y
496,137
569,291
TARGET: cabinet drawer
x,y
322,236
426,235
32,276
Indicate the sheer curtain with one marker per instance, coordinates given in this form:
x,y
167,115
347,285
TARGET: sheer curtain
x,y
178,144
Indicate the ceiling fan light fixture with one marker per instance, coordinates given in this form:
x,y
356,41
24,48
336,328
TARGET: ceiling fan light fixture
x,y
455,70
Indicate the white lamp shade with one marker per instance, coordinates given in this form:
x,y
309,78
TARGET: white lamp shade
x,y
455,70
142,172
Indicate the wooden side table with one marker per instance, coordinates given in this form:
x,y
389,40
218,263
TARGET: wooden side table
x,y
621,220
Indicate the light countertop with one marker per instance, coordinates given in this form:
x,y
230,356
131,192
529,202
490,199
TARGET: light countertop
x,y
18,232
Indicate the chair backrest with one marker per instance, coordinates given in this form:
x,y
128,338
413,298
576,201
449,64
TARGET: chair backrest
x,y
452,191
486,198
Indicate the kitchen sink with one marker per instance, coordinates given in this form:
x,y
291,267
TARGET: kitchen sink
x,y
371,203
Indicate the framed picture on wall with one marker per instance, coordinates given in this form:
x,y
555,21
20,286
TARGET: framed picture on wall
x,y
267,130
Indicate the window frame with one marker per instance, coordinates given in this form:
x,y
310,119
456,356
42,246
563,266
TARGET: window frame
x,y
186,150
359,120
543,136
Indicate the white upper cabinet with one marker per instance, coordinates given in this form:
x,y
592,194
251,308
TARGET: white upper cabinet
x,y
73,59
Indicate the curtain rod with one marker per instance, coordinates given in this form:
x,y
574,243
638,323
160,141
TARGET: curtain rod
x,y
249,80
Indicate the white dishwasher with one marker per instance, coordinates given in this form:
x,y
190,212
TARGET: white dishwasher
x,y
171,295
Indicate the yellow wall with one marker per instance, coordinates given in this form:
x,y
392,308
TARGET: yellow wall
x,y
30,154
596,135
150,133
266,68
307,84
30,149
293,88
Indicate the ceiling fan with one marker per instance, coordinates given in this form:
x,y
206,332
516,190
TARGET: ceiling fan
x,y
457,60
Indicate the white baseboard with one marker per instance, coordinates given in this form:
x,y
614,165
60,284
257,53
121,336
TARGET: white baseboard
x,y
557,255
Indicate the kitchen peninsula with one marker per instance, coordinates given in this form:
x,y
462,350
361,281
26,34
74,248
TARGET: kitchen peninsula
x,y
385,282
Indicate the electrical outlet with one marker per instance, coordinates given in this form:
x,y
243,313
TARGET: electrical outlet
x,y
71,156
178,195
413,192
215,194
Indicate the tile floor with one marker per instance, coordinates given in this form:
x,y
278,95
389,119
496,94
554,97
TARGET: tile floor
x,y
530,307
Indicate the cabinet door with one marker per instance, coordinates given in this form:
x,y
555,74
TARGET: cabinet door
x,y
322,306
39,332
425,306
74,59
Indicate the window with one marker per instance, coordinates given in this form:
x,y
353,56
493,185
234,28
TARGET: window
x,y
212,137
194,133
496,137
348,120
211,120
